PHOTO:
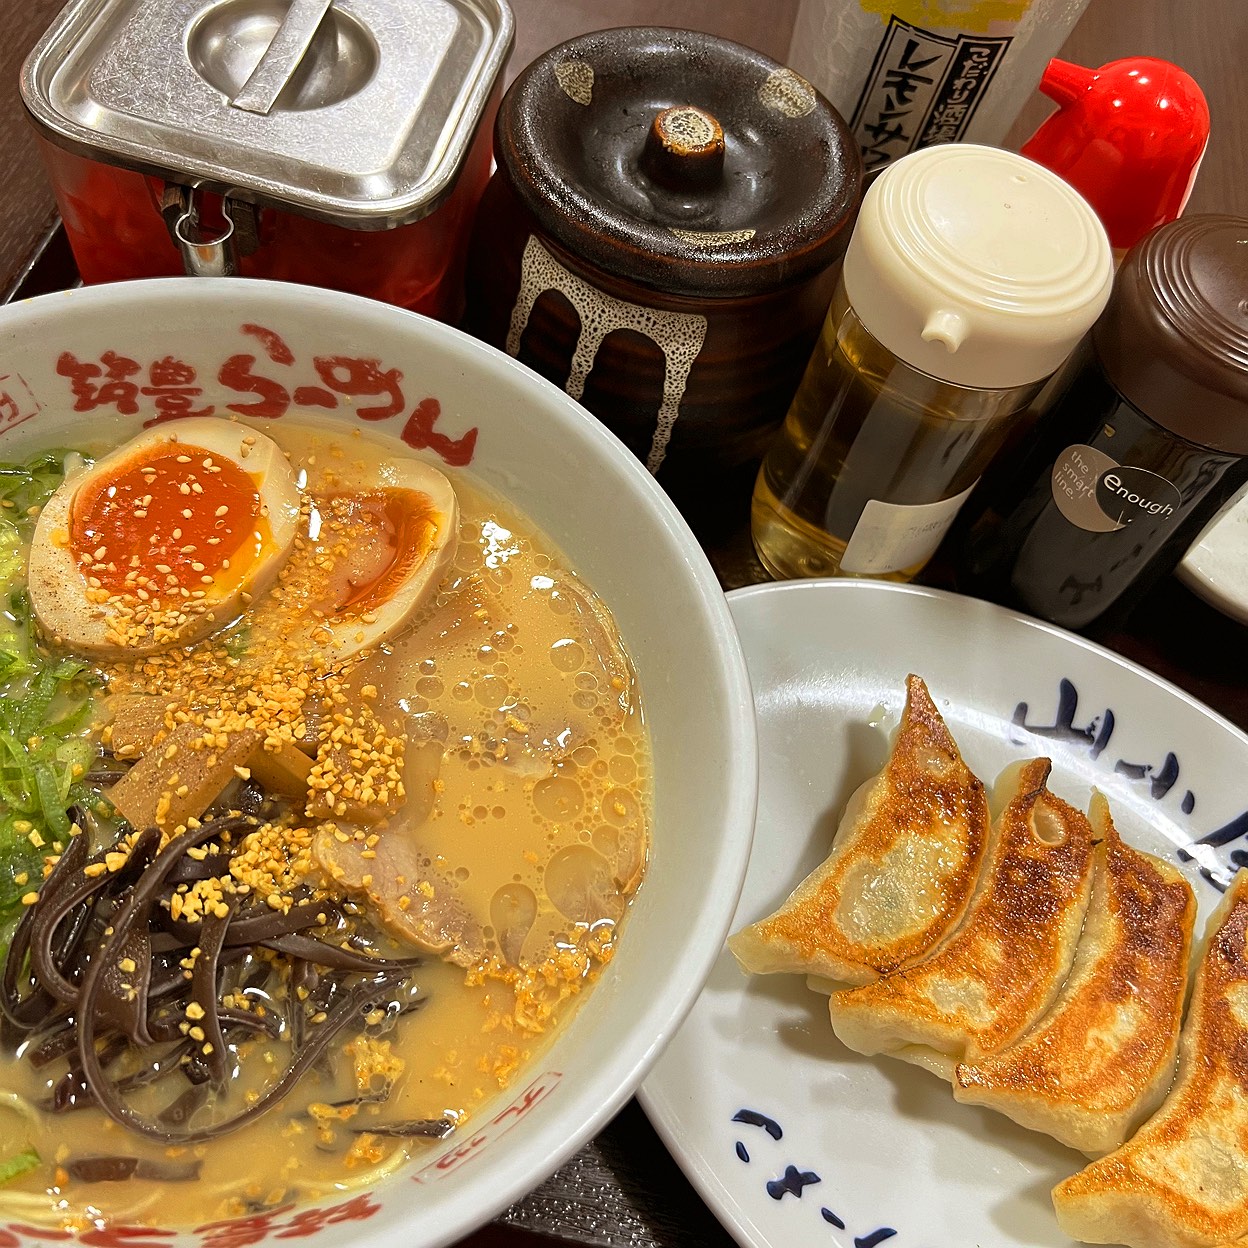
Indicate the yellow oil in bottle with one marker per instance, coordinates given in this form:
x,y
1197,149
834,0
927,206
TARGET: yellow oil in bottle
x,y
864,430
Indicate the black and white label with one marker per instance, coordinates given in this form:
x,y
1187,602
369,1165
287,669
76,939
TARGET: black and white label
x,y
1099,495
923,89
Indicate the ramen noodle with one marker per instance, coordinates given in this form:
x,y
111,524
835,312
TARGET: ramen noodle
x,y
326,789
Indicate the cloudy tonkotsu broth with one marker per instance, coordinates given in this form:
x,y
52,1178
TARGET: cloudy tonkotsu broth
x,y
509,710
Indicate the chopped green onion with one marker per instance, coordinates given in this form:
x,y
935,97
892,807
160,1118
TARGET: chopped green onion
x,y
19,1164
31,484
45,702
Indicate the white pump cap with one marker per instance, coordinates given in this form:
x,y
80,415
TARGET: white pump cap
x,y
977,265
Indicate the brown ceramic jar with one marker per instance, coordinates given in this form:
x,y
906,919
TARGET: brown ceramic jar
x,y
660,239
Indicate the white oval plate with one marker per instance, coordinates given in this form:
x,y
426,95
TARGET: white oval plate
x,y
794,1141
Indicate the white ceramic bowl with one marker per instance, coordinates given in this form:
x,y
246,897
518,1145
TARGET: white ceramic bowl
x,y
85,364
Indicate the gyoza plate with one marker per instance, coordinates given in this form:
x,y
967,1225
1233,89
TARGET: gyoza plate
x,y
794,1141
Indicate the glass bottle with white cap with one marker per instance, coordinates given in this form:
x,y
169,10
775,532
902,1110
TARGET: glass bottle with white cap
x,y
971,274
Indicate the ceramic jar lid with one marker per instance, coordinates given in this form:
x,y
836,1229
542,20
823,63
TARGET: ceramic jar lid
x,y
680,161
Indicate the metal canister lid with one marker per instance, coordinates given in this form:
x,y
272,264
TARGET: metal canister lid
x,y
356,112
1174,339
681,161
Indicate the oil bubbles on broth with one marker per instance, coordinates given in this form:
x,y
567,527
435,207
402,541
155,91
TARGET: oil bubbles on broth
x,y
509,867
543,788
521,705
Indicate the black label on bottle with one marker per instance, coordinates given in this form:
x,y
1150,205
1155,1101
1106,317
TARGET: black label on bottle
x,y
923,89
1125,494
1099,495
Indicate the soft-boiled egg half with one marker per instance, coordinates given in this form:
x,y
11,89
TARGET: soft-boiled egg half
x,y
400,522
164,540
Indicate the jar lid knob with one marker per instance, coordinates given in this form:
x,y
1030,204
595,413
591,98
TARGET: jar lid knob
x,y
684,148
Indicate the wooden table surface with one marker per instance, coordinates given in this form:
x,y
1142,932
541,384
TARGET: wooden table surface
x,y
623,1190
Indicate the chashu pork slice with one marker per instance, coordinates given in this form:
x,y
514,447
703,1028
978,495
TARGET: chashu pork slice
x,y
901,871
1182,1180
1102,1058
412,900
1003,967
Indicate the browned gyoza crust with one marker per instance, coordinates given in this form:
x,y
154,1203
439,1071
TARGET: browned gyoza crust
x,y
1103,1057
1182,1180
1003,967
902,868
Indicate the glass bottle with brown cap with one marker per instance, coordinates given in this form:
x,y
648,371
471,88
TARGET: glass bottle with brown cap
x,y
1148,441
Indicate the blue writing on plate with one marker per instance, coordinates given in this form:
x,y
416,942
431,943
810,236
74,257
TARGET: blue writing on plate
x,y
875,1238
795,1181
1161,779
1096,733
755,1119
792,1183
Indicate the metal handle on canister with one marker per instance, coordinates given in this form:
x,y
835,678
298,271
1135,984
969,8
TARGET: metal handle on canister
x,y
283,56
207,253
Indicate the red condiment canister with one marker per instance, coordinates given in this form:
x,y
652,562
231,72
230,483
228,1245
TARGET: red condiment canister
x,y
337,144
661,238
1129,137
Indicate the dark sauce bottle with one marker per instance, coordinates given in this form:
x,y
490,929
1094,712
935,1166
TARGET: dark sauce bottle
x,y
1143,447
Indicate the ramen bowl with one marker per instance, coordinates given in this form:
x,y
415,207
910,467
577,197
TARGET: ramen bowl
x,y
95,366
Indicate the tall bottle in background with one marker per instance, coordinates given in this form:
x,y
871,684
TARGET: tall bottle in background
x,y
908,74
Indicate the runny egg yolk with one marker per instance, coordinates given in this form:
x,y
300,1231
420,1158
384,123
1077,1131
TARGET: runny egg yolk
x,y
400,528
173,516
